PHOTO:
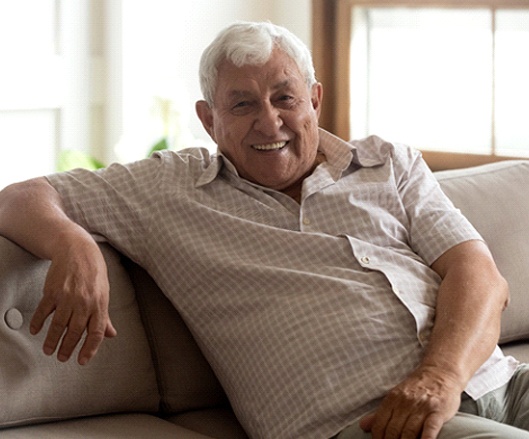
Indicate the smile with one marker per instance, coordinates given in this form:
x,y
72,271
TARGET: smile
x,y
270,146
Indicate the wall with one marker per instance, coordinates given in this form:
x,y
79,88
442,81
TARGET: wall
x,y
162,44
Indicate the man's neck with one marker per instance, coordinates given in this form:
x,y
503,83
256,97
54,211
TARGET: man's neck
x,y
294,190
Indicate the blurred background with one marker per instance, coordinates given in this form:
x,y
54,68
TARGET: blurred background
x,y
89,82
95,81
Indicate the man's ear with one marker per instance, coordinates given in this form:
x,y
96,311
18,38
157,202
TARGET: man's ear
x,y
317,96
205,114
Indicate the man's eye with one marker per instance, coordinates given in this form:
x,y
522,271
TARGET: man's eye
x,y
242,107
241,104
286,100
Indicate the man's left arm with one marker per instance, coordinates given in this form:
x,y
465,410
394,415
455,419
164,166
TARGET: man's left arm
x,y
471,298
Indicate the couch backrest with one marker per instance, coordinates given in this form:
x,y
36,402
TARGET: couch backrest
x,y
495,198
36,388
185,378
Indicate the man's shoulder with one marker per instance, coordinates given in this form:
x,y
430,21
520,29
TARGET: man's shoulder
x,y
190,161
188,156
374,150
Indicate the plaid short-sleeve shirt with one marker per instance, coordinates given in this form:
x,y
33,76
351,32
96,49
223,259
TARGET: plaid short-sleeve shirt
x,y
308,312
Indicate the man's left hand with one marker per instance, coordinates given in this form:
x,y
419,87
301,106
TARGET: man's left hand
x,y
417,407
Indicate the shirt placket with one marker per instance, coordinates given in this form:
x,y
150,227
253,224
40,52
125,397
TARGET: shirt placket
x,y
371,259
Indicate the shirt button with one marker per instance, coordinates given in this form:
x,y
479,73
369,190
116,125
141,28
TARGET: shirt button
x,y
306,221
365,260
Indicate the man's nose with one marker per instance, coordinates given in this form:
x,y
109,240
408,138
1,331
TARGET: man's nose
x,y
268,120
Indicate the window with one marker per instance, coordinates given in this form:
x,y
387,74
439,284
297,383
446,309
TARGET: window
x,y
441,78
28,89
51,84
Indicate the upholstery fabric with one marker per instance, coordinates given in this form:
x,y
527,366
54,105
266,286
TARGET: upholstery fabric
x,y
37,388
122,426
185,378
494,198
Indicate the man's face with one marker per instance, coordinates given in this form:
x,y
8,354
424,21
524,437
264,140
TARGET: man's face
x,y
265,120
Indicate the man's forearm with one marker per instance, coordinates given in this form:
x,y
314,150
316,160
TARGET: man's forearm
x,y
32,215
470,301
76,290
471,298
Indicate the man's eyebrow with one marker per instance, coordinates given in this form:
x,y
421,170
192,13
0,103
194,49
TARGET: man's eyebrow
x,y
244,94
282,84
237,94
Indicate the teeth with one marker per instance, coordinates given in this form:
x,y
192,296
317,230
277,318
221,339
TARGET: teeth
x,y
270,146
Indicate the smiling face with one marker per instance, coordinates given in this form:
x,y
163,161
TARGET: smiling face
x,y
265,120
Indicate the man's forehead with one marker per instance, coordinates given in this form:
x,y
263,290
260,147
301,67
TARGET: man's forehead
x,y
278,65
239,89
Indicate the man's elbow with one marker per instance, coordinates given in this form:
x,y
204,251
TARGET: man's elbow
x,y
17,198
505,295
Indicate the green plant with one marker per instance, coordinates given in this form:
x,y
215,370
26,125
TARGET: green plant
x,y
71,158
159,146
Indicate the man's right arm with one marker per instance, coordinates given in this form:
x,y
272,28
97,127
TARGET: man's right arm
x,y
76,290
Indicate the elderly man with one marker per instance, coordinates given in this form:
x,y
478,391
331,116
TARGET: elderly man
x,y
332,286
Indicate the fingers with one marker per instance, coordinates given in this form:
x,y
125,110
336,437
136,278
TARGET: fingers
x,y
110,331
40,315
366,423
67,329
97,330
76,295
432,427
401,426
417,407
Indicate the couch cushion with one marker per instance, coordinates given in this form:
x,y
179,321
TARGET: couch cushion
x,y
37,388
186,379
126,426
219,423
494,198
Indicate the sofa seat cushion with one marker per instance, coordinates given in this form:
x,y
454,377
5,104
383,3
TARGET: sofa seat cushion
x,y
123,426
220,423
494,198
36,388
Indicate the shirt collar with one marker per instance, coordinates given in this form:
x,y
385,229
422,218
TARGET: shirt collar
x,y
340,155
218,161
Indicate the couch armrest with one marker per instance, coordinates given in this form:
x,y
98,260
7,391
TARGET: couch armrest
x,y
38,388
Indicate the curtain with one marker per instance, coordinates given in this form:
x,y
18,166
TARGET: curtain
x,y
330,45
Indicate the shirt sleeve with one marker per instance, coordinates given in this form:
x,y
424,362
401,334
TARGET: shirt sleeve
x,y
435,224
118,202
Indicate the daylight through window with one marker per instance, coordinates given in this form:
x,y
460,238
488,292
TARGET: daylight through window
x,y
445,79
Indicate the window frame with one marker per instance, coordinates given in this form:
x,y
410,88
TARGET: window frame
x,y
332,28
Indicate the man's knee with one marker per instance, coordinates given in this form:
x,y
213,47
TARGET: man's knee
x,y
461,426
466,426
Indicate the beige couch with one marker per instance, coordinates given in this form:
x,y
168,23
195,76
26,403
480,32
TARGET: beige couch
x,y
152,380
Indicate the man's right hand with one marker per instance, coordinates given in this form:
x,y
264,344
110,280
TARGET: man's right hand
x,y
75,296
76,291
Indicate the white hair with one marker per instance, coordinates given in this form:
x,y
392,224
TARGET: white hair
x,y
250,43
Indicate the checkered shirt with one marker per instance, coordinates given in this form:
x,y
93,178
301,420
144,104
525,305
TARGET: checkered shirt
x,y
308,313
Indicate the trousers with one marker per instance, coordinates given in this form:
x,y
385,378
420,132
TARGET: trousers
x,y
501,413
